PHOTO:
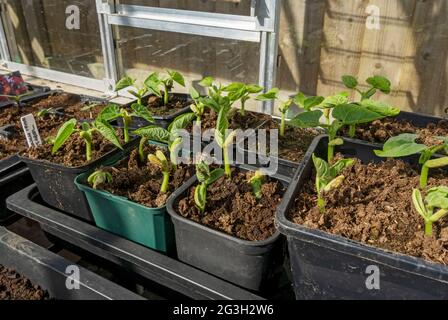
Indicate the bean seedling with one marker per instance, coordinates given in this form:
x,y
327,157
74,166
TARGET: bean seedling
x,y
328,178
375,83
86,132
242,92
99,177
224,138
256,181
160,161
435,198
113,111
404,145
205,178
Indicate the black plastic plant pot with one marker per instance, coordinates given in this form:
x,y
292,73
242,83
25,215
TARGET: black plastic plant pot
x,y
161,121
56,182
52,272
248,264
327,266
11,183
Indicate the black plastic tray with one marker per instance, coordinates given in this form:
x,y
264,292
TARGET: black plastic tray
x,y
327,266
135,258
48,270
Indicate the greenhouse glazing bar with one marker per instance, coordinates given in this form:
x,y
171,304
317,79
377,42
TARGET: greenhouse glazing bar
x,y
261,27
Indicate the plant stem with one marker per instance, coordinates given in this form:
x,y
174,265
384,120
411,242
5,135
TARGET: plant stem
x,y
330,153
320,203
243,109
428,228
126,130
283,124
352,130
141,146
165,182
226,163
88,149
424,176
165,96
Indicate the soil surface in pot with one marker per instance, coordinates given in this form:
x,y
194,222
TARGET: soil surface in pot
x,y
15,287
48,125
380,131
374,206
233,209
73,151
157,108
293,145
141,182
251,120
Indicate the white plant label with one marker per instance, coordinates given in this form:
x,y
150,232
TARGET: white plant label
x,y
31,131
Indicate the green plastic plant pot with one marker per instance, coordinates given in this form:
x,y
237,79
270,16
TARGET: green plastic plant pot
x,y
151,227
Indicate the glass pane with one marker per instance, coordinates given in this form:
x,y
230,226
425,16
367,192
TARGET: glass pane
x,y
237,7
37,35
141,51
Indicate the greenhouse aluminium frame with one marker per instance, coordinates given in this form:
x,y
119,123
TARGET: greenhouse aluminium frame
x,y
261,26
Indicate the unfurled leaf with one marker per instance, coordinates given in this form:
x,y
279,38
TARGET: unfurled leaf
x,y
214,176
236,86
124,83
335,100
254,88
380,107
177,77
64,132
299,99
110,112
308,119
354,114
154,133
400,146
269,95
350,82
181,122
108,132
194,93
206,82
142,112
312,102
437,197
381,83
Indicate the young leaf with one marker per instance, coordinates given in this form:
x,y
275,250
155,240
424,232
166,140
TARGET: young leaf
x,y
108,132
200,196
269,95
400,146
312,102
380,107
177,77
142,112
154,133
64,132
381,83
202,171
299,99
350,82
340,165
124,83
110,112
194,93
214,176
322,168
335,100
437,197
236,86
253,88
206,82
308,119
181,122
354,114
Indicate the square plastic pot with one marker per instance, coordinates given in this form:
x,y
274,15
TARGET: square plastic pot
x,y
327,266
161,121
248,264
56,182
151,227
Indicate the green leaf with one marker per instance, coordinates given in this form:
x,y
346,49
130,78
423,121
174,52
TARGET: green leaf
x,y
142,112
437,197
200,196
238,94
308,119
181,122
400,146
206,82
194,93
321,166
222,123
202,171
340,165
154,133
108,132
354,114
269,95
369,93
350,82
64,132
177,77
85,126
215,175
236,86
380,107
124,83
299,99
337,99
110,112
381,83
253,88
312,102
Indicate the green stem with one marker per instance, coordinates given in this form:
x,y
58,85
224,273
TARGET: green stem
x,y
352,130
283,124
330,153
126,130
88,150
165,96
320,203
165,182
243,109
141,146
428,228
226,163
424,176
